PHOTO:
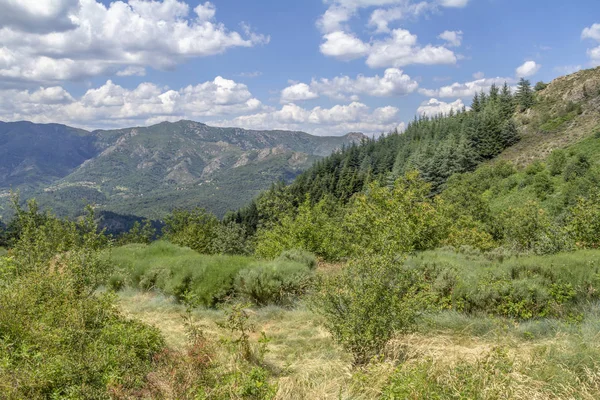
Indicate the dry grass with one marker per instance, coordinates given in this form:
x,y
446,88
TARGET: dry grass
x,y
306,364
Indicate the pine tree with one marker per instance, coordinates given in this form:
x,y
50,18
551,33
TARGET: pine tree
x,y
476,105
494,92
524,95
507,105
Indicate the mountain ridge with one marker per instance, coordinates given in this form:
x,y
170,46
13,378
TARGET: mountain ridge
x,y
133,170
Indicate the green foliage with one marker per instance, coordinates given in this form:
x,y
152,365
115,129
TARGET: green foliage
x,y
300,256
204,233
275,282
557,162
526,287
58,338
298,232
540,86
143,234
584,224
366,304
391,221
524,96
465,380
181,272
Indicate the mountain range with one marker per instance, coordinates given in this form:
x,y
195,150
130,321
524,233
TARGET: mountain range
x,y
149,171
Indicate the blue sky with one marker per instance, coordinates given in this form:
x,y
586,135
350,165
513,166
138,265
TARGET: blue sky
x,y
323,66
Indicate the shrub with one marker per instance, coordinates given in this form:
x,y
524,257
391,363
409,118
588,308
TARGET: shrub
x,y
58,338
584,224
300,256
557,162
366,304
273,283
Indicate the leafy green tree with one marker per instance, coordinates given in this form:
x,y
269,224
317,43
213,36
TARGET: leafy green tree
x,y
393,220
195,229
139,233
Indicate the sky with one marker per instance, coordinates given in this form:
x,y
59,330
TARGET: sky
x,y
326,67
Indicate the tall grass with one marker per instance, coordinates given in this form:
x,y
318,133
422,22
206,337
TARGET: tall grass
x,y
210,279
521,287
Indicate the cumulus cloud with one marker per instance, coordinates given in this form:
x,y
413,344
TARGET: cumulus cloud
x,y
337,120
297,92
343,46
40,16
112,105
394,82
401,49
397,48
101,39
529,68
466,89
593,32
434,107
453,38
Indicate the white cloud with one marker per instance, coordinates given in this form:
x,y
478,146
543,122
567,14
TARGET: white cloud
x,y
593,32
38,15
454,38
394,82
343,46
337,120
132,71
529,68
111,105
297,92
401,49
594,55
467,89
398,48
453,3
478,75
382,17
103,39
567,69
434,107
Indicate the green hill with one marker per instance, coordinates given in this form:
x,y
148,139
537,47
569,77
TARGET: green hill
x,y
149,171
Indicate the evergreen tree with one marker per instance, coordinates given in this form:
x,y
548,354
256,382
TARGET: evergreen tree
x,y
476,105
524,95
507,106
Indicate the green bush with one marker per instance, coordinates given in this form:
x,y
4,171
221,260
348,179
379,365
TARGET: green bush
x,y
366,304
522,288
300,256
58,337
557,162
175,271
275,282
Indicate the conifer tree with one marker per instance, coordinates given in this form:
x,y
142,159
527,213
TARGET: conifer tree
x,y
476,105
524,95
507,106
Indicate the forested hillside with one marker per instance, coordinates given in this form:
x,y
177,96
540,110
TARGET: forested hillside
x,y
149,171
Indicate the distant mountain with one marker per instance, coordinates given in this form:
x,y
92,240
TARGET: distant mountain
x,y
148,171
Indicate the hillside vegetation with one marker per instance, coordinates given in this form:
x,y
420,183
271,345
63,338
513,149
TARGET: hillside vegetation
x,y
149,171
447,262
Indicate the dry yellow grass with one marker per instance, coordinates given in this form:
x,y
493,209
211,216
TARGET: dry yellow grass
x,y
307,364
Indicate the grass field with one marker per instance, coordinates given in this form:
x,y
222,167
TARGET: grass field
x,y
449,355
